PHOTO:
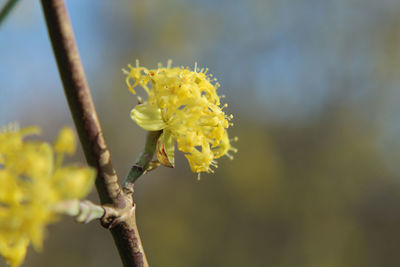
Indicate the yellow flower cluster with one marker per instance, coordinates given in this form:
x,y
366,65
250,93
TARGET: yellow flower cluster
x,y
32,182
183,104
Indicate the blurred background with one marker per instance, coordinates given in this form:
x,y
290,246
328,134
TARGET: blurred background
x,y
314,88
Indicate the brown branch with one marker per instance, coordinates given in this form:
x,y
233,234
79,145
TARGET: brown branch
x,y
80,102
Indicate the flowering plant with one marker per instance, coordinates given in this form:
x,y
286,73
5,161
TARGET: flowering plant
x,y
184,105
33,182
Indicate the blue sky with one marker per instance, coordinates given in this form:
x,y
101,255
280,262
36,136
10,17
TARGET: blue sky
x,y
288,58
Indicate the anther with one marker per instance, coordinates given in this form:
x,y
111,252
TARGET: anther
x,y
229,156
234,139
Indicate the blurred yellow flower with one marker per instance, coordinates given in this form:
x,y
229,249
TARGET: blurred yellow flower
x,y
32,182
65,142
183,104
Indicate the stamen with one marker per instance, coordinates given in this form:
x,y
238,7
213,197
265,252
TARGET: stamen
x,y
195,66
169,63
234,139
137,63
10,127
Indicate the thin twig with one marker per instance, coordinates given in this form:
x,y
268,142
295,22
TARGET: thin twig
x,y
77,91
142,163
6,10
84,211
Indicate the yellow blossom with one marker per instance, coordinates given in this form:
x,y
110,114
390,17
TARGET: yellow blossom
x,y
32,182
65,142
183,104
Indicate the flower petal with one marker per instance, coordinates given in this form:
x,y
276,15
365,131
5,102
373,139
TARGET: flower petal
x,y
166,150
65,142
73,182
148,117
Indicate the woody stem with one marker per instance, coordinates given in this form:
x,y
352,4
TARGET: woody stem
x,y
76,88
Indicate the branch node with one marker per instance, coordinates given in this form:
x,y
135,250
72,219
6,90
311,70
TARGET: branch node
x,y
114,216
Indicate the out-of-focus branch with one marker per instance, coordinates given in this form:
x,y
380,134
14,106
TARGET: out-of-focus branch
x,y
123,227
6,10
84,211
